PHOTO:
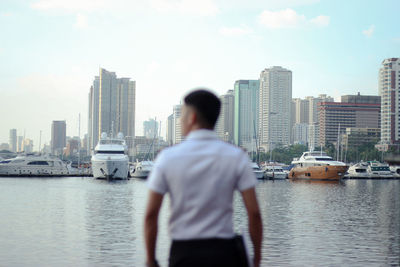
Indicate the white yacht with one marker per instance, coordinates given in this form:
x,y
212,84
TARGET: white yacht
x,y
358,171
33,165
142,169
257,171
274,172
109,160
379,170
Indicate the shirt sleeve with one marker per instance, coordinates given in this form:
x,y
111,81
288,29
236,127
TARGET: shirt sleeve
x,y
246,177
157,180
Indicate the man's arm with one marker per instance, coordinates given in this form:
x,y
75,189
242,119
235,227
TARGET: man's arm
x,y
151,226
255,224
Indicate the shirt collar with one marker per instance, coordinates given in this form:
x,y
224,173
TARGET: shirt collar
x,y
202,134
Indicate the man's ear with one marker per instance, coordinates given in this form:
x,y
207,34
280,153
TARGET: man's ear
x,y
192,118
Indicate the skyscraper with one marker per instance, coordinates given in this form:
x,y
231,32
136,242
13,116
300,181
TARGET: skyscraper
x,y
150,128
224,127
13,140
111,106
177,129
58,137
275,107
389,90
246,113
170,131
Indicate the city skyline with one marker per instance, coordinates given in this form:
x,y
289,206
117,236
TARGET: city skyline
x,y
54,48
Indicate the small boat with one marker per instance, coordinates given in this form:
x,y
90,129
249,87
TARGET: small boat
x,y
317,166
29,165
395,171
358,171
274,172
257,170
110,160
379,170
142,169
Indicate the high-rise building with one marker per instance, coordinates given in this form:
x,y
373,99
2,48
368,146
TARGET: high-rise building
x,y
300,133
224,126
27,145
302,110
170,129
313,106
389,90
150,128
246,113
275,100
335,117
177,129
58,137
13,140
20,140
111,106
313,119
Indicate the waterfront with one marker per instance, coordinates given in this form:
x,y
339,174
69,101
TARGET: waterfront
x,y
87,222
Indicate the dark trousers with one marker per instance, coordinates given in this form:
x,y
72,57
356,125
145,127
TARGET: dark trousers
x,y
213,252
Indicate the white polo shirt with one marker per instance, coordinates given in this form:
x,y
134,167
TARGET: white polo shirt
x,y
201,175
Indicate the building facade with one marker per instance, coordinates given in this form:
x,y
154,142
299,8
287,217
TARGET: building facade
x,y
150,128
13,140
335,117
177,129
389,90
246,113
275,98
112,104
225,122
58,137
170,129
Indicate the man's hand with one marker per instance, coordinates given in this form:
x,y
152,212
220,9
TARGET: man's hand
x,y
151,226
255,224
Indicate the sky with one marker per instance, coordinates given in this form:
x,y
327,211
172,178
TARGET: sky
x,y
50,51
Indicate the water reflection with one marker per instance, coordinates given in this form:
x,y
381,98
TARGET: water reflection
x,y
109,224
86,222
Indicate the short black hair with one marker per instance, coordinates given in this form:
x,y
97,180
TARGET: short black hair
x,y
207,106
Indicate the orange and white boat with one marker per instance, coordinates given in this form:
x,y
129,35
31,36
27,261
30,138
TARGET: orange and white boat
x,y
317,166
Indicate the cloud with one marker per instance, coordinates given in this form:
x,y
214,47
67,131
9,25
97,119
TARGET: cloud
x,y
320,21
81,22
288,18
370,31
70,5
186,7
6,14
235,31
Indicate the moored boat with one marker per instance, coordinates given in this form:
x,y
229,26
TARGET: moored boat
x,y
379,170
33,165
358,171
317,166
274,172
110,160
257,170
142,169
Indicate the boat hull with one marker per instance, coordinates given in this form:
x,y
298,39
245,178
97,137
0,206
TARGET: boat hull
x,y
331,173
110,169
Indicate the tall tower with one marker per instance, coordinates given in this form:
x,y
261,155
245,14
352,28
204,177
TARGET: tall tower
x,y
389,90
13,140
177,127
275,107
224,126
112,104
58,137
246,113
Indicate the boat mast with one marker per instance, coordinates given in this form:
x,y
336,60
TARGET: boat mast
x,y
79,145
338,144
